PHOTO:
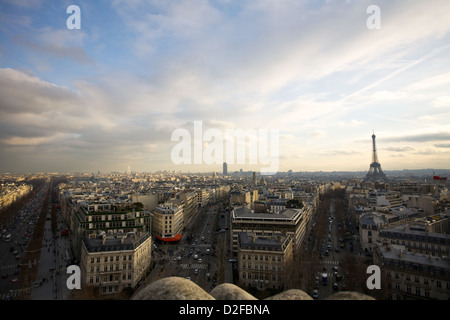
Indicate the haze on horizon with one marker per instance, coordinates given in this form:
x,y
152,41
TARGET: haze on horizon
x,y
109,95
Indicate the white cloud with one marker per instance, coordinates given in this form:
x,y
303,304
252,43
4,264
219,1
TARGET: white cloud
x,y
441,102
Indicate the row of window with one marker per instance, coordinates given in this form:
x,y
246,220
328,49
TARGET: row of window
x,y
261,267
419,267
417,290
117,224
111,258
110,278
111,267
417,279
261,257
261,276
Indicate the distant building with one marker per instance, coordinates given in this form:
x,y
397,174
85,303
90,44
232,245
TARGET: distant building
x,y
225,169
381,200
371,224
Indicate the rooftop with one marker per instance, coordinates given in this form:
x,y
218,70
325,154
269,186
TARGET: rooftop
x,y
244,213
394,252
122,242
249,241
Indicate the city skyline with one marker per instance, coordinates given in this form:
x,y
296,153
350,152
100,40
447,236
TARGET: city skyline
x,y
108,96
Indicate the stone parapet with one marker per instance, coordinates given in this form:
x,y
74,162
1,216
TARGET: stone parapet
x,y
177,288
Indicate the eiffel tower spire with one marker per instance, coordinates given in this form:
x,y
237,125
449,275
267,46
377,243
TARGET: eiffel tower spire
x,y
375,171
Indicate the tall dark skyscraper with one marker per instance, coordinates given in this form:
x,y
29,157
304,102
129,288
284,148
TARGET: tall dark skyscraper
x,y
375,171
225,169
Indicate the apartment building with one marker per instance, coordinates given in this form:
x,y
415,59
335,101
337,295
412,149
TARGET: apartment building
x,y
381,200
288,222
167,222
114,263
416,239
372,223
263,261
87,219
412,276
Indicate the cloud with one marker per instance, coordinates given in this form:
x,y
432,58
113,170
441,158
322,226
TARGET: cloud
x,y
311,70
441,102
24,93
398,149
424,137
442,145
55,44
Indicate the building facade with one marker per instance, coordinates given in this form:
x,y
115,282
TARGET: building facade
x,y
288,222
412,276
113,263
167,222
263,261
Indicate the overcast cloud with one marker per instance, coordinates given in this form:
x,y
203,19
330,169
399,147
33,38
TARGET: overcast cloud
x,y
110,94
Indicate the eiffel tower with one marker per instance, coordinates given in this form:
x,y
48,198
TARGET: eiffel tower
x,y
375,171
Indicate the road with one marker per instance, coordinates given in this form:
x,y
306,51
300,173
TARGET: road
x,y
14,247
51,275
328,248
198,255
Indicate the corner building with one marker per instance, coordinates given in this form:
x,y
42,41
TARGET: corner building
x,y
262,261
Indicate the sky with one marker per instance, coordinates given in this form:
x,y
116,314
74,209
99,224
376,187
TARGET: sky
x,y
109,95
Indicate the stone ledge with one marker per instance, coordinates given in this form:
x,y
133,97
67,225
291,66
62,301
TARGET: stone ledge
x,y
177,288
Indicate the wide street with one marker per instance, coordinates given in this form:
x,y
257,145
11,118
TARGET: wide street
x,y
332,242
203,252
52,263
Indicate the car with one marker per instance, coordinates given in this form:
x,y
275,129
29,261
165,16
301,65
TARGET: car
x,y
199,260
196,271
335,286
232,260
315,294
195,257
